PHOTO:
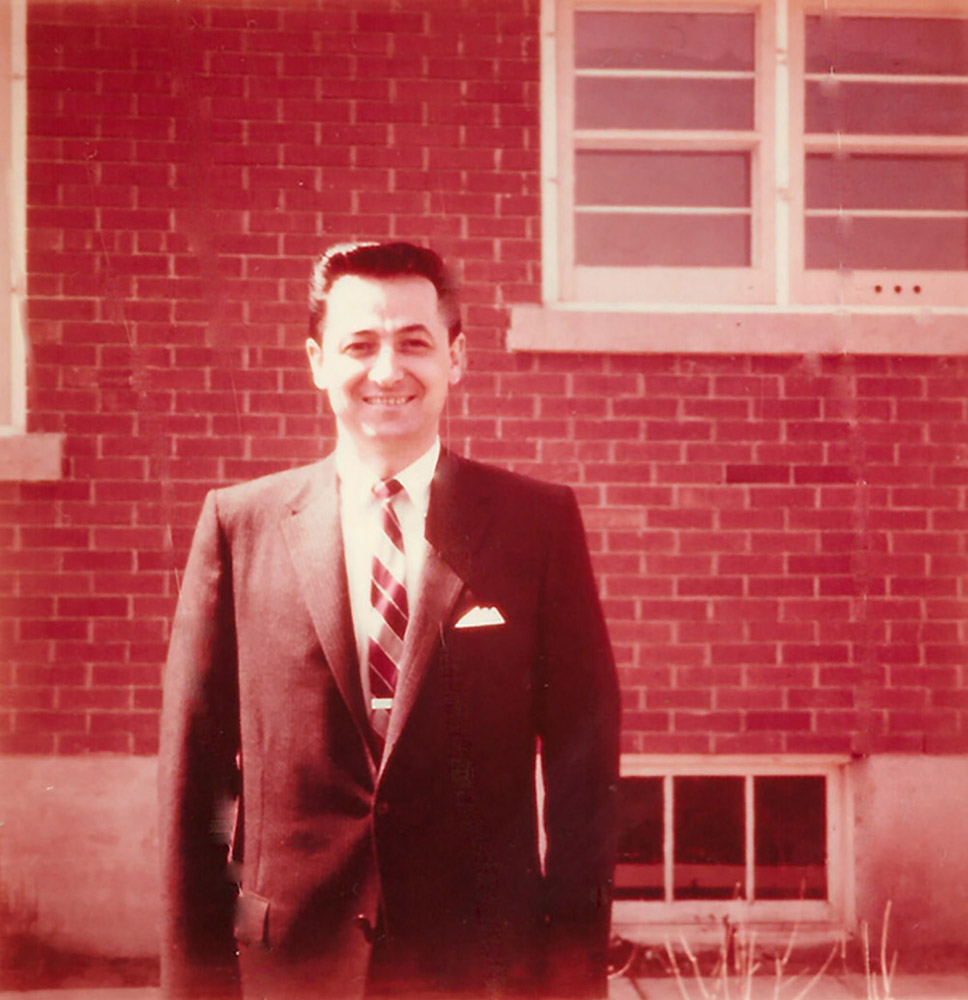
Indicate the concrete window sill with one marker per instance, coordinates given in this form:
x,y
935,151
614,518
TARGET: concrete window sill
x,y
741,330
31,456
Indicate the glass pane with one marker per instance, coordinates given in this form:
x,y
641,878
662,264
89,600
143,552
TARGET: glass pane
x,y
638,874
663,40
791,839
604,239
887,45
710,825
886,108
629,103
662,178
891,181
887,244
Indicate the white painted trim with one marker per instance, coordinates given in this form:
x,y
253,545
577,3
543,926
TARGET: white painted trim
x,y
22,456
643,328
550,181
915,320
18,212
883,213
904,78
889,8
782,152
702,140
664,210
575,283
839,142
643,919
647,765
667,74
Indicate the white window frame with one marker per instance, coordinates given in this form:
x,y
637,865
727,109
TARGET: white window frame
x,y
648,920
706,284
858,287
786,310
22,456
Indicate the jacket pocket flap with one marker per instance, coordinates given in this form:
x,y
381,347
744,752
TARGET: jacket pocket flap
x,y
251,918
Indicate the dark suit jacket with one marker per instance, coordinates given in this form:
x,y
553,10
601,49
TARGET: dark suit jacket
x,y
414,872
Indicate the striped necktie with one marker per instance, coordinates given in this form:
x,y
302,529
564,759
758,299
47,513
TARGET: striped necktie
x,y
388,598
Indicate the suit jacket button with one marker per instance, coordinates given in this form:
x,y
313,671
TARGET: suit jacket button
x,y
382,808
365,927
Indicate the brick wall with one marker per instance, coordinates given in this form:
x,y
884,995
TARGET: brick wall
x,y
779,541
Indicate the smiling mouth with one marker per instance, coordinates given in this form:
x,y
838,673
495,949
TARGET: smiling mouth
x,y
387,400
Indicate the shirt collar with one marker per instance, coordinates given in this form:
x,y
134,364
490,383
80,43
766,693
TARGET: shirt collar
x,y
357,481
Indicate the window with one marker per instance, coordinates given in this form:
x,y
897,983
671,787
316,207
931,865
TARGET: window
x,y
755,840
749,159
22,455
883,102
663,154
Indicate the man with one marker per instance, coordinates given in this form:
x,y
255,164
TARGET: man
x,y
367,654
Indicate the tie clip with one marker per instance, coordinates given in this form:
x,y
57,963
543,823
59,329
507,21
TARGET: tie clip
x,y
384,703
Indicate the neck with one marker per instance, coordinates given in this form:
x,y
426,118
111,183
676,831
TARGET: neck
x,y
384,461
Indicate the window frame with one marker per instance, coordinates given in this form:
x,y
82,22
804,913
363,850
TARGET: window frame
x,y
23,456
639,919
830,313
706,284
856,287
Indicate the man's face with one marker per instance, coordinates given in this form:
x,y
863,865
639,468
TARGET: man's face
x,y
386,363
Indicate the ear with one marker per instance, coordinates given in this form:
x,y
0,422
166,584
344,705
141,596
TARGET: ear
x,y
458,359
314,352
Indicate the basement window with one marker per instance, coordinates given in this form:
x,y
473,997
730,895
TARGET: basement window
x,y
750,839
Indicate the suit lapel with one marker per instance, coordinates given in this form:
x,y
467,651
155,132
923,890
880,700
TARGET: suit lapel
x,y
456,523
314,537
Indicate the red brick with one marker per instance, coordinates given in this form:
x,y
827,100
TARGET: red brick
x,y
707,722
747,699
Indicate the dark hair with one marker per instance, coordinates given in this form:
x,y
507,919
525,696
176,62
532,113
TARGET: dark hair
x,y
382,260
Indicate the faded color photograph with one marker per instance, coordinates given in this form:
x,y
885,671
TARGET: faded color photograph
x,y
483,499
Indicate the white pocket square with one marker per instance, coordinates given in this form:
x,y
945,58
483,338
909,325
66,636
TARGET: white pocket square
x,y
479,617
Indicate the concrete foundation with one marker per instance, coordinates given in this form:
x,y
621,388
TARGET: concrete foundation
x,y
910,849
78,850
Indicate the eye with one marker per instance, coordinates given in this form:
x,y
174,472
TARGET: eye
x,y
357,348
416,344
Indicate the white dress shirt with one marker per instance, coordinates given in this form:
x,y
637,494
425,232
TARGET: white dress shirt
x,y
360,520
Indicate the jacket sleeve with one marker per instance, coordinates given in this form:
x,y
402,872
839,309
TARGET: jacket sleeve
x,y
198,774
579,731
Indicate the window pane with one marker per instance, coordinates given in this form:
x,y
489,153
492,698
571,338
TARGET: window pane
x,y
663,40
634,103
606,239
891,181
710,823
887,45
662,178
887,244
790,823
886,108
639,873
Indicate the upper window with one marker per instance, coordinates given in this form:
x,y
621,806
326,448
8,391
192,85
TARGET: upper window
x,y
766,153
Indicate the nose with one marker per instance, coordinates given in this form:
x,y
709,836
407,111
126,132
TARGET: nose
x,y
386,366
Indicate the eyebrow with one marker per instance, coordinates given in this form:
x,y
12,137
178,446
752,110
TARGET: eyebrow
x,y
370,332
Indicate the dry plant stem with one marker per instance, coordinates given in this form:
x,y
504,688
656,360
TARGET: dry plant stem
x,y
675,969
823,968
694,962
868,978
886,976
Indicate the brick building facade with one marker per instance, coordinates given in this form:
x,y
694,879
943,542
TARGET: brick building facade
x,y
778,535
